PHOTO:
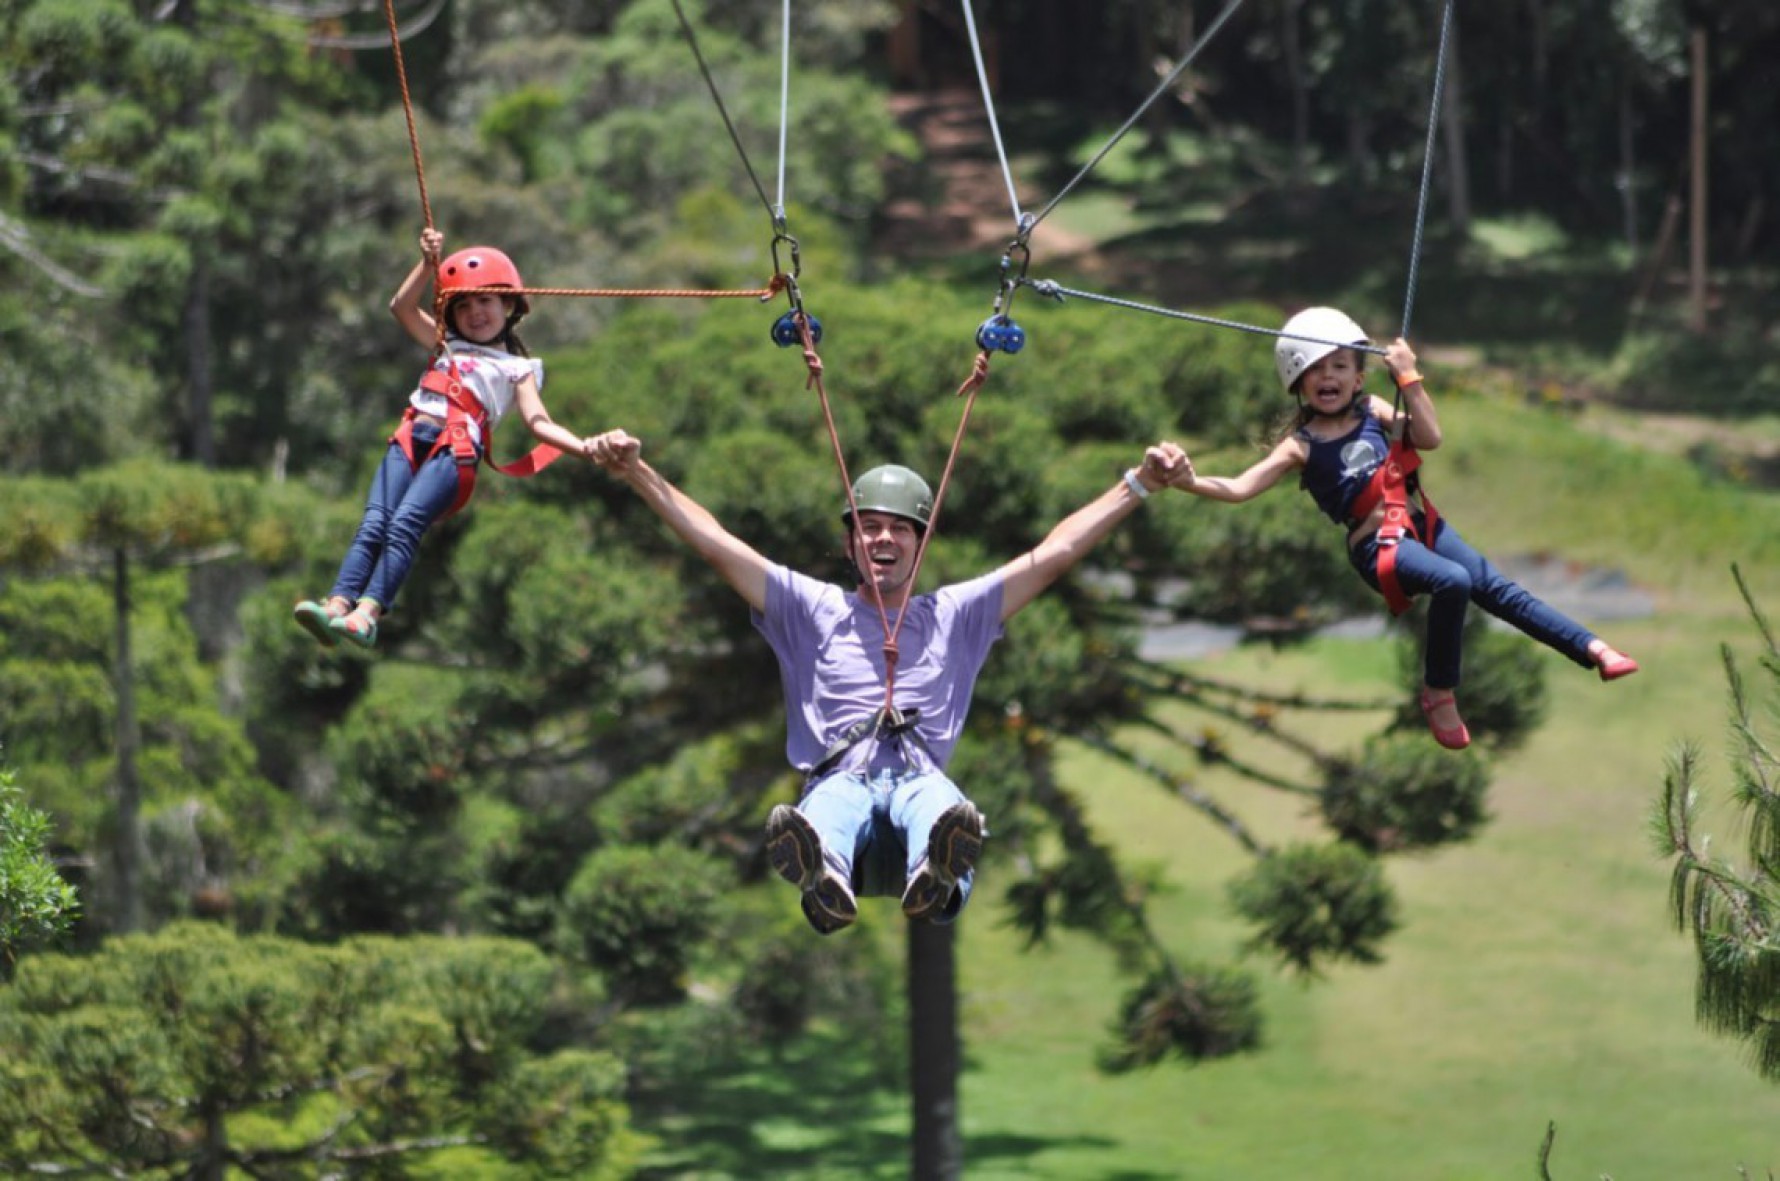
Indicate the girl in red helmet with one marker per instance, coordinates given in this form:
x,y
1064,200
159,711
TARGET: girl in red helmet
x,y
1341,445
482,373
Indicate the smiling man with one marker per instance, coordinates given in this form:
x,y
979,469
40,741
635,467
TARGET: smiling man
x,y
879,816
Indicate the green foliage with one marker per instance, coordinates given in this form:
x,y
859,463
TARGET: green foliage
x,y
637,914
706,788
36,905
1403,792
1730,909
1311,903
785,983
165,1052
1199,1014
212,818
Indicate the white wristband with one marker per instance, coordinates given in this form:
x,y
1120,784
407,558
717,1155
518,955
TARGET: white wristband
x,y
1135,484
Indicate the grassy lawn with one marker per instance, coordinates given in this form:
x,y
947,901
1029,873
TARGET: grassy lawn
x,y
1535,979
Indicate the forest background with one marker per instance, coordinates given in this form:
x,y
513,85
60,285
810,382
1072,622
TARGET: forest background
x,y
491,902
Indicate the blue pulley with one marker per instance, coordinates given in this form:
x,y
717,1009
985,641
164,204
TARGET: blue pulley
x,y
787,335
998,334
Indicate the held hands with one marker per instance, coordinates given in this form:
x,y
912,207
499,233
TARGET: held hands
x,y
1162,466
615,451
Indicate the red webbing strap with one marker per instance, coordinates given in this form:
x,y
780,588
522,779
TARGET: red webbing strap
x,y
461,410
1390,485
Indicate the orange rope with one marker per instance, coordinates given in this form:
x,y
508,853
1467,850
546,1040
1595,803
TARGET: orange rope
x,y
813,361
760,293
979,376
426,210
395,45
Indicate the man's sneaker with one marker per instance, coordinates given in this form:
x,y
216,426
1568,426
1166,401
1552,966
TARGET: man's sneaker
x,y
796,853
953,847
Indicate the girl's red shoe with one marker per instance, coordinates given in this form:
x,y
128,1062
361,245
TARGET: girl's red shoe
x,y
1613,665
1451,737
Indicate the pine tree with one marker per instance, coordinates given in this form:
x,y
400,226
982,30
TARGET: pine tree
x,y
1730,908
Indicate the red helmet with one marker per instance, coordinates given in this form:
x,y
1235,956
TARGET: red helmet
x,y
481,266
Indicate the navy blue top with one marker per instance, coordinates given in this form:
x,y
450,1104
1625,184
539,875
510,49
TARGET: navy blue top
x,y
1337,470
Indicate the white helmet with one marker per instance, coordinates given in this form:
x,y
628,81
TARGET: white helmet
x,y
1326,330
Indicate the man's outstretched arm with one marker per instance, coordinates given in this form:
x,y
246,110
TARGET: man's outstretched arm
x,y
1024,578
739,563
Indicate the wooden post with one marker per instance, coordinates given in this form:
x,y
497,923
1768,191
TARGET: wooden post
x,y
1696,266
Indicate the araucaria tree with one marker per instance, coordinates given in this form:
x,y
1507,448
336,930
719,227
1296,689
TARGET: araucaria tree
x,y
1732,909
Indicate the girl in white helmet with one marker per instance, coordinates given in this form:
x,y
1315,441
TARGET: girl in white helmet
x,y
1341,446
429,467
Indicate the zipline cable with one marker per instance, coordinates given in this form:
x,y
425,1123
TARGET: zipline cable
x,y
976,52
1167,83
784,107
1421,206
711,84
1058,291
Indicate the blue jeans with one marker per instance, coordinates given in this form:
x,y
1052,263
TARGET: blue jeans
x,y
402,505
874,831
1453,575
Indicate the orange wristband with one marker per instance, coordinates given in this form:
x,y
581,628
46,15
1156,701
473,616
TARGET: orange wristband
x,y
1405,380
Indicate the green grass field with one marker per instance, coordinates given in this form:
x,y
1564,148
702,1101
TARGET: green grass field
x,y
1536,977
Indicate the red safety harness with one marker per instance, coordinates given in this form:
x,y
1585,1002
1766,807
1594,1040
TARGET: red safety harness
x,y
1392,485
461,410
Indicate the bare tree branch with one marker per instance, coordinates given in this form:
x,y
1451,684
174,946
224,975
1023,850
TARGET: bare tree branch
x,y
1225,818
16,238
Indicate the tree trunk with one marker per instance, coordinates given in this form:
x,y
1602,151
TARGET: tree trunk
x,y
1299,85
1627,181
1696,261
938,1145
129,848
201,425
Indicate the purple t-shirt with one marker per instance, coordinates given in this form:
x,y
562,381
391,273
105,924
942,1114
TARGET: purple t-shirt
x,y
830,645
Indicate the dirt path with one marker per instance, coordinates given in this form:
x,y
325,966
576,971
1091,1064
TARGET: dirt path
x,y
954,199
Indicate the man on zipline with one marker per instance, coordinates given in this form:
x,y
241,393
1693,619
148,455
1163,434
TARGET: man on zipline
x,y
879,815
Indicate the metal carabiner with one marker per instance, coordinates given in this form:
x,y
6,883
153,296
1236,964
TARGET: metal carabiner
x,y
796,260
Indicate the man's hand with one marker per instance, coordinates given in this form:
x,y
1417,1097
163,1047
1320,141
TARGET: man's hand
x,y
615,451
1162,466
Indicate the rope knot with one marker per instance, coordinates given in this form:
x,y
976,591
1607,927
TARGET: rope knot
x,y
979,375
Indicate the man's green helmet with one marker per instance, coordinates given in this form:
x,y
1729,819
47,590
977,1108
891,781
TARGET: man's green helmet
x,y
892,489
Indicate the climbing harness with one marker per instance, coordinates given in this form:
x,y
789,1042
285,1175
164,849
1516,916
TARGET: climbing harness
x,y
1391,485
887,722
463,410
